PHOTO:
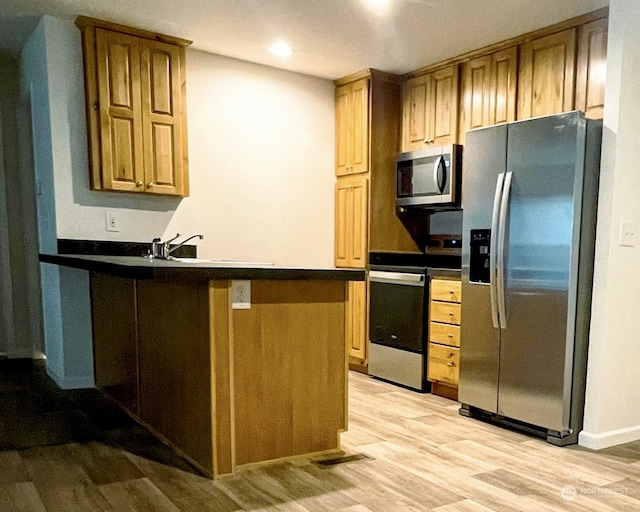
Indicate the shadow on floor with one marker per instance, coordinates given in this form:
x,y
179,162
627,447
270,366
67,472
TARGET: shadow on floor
x,y
34,411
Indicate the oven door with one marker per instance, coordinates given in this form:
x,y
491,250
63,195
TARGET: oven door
x,y
397,310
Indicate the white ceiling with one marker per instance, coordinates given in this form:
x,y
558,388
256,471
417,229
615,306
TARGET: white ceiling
x,y
331,38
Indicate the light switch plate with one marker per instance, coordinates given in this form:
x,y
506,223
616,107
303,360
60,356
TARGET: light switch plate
x,y
240,294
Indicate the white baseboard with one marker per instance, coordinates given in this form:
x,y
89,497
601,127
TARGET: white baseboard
x,y
607,439
71,382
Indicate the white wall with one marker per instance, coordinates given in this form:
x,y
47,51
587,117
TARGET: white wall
x,y
261,146
612,415
65,292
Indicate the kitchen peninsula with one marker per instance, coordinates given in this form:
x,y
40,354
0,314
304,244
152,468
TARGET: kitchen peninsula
x,y
228,388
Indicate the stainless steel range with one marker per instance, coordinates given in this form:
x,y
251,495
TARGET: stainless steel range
x,y
398,315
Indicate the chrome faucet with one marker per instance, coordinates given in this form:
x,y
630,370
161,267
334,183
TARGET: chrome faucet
x,y
162,250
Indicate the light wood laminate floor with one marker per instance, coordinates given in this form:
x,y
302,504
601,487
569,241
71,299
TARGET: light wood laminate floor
x,y
420,455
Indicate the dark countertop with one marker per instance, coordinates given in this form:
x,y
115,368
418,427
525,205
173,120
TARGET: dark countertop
x,y
137,267
444,272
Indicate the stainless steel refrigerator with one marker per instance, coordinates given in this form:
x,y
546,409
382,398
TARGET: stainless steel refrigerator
x,y
529,212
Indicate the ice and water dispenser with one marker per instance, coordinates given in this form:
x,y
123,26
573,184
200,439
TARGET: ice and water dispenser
x,y
479,261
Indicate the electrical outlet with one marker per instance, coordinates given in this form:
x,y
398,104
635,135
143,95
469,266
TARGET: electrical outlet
x,y
240,294
628,235
112,221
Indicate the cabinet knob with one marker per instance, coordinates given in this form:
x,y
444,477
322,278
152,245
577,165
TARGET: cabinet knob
x,y
150,184
450,335
450,364
450,313
139,183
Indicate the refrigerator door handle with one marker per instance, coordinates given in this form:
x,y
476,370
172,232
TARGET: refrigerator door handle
x,y
502,228
493,254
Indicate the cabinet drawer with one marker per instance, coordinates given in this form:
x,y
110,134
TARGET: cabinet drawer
x,y
443,364
445,312
446,290
445,334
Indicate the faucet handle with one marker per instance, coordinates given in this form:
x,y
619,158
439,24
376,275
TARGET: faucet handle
x,y
171,240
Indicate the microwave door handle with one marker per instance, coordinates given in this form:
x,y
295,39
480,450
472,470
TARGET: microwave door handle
x,y
440,174
493,251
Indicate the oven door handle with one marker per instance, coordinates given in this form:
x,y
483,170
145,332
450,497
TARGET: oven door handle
x,y
377,276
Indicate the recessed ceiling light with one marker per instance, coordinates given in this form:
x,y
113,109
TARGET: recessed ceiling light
x,y
281,49
378,3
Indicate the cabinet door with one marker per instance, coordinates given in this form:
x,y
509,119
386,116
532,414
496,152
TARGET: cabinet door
x,y
443,109
343,128
360,142
504,77
546,78
488,91
356,322
592,65
118,70
351,222
162,117
415,112
476,80
352,128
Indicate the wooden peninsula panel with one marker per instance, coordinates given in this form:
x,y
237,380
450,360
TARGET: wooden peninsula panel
x,y
115,345
175,364
289,370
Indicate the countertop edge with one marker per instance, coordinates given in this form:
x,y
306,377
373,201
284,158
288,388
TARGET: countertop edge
x,y
138,268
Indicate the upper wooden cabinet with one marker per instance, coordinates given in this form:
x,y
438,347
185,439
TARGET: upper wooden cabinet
x,y
591,68
352,221
136,109
430,109
352,128
488,91
546,77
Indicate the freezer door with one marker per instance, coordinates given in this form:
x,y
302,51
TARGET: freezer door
x,y
484,160
536,346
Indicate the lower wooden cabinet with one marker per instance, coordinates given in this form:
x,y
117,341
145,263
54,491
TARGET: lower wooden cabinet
x,y
356,323
443,361
444,364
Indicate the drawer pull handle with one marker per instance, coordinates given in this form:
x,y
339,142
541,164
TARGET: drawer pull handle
x,y
450,364
450,313
450,335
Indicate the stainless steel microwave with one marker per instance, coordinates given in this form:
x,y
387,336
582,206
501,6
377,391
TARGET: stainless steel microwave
x,y
429,178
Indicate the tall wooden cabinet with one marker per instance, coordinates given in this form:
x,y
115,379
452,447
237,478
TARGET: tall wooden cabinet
x,y
136,109
430,109
368,113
